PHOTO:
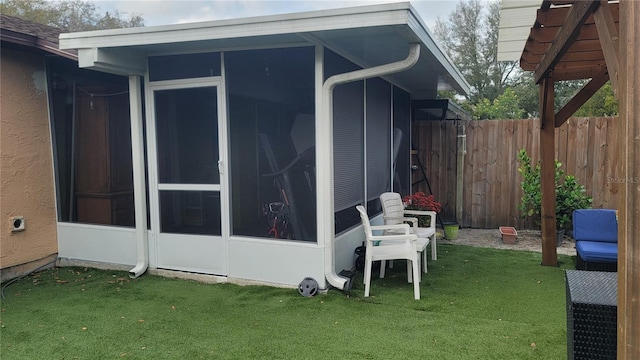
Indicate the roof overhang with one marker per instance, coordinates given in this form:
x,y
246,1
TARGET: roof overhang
x,y
366,35
568,38
28,41
565,37
438,109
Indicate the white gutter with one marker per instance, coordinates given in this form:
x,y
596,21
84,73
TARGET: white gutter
x,y
325,163
139,194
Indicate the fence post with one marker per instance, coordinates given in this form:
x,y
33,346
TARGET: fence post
x,y
460,152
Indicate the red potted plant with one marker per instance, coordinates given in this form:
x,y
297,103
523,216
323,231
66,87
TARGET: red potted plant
x,y
422,201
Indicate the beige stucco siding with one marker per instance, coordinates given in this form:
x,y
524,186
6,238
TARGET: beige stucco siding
x,y
26,171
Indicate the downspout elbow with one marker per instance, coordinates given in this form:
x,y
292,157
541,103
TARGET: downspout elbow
x,y
376,71
331,276
143,262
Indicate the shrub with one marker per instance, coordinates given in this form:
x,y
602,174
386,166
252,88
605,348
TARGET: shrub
x,y
570,195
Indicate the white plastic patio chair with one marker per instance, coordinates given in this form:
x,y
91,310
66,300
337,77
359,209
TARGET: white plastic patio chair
x,y
400,245
394,213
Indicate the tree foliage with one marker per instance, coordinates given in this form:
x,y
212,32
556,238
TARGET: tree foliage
x,y
470,38
570,194
500,90
69,15
602,103
505,106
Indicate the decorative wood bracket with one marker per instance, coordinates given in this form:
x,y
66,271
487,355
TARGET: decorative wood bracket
x,y
608,35
581,97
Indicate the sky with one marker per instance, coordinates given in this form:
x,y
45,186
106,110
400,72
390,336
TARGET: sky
x,y
165,12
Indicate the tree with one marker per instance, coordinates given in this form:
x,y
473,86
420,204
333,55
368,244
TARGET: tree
x,y
528,93
602,103
470,39
505,106
69,15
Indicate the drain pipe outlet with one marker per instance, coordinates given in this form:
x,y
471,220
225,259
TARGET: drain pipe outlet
x,y
332,277
137,153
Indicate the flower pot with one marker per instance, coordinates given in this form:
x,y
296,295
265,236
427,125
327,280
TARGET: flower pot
x,y
509,234
451,230
559,237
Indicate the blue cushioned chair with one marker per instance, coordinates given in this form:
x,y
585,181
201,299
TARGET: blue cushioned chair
x,y
596,235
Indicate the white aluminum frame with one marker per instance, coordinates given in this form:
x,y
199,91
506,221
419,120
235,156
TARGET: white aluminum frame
x,y
186,252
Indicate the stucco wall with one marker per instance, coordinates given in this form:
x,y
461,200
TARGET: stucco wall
x,y
26,171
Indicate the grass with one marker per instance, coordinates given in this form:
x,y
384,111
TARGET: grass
x,y
476,304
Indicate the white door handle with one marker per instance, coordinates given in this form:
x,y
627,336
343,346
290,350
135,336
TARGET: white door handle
x,y
220,167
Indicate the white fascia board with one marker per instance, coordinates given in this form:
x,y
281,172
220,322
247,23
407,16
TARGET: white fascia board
x,y
515,4
420,29
115,61
509,55
512,46
520,34
376,15
511,42
516,19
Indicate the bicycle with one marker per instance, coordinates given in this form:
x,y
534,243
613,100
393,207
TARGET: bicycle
x,y
278,220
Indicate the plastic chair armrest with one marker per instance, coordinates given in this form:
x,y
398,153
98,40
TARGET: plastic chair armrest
x,y
431,214
413,220
420,212
403,237
404,227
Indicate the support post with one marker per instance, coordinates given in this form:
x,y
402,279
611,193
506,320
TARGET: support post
x,y
629,171
548,172
461,151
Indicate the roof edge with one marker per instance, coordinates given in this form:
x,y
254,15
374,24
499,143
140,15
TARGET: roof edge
x,y
422,31
243,20
35,42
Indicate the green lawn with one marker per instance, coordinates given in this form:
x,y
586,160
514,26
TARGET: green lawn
x,y
476,304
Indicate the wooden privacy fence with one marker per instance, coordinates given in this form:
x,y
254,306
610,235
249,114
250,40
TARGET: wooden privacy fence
x,y
491,182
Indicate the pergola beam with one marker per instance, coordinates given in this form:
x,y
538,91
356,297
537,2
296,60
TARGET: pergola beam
x,y
580,11
557,16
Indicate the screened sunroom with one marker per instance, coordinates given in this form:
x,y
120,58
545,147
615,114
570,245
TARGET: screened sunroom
x,y
245,144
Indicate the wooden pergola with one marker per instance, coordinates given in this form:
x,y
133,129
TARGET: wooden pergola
x,y
597,40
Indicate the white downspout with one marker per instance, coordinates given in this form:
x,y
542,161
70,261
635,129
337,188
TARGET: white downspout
x,y
325,163
139,193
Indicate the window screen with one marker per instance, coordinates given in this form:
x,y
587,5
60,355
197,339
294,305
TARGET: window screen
x,y
91,132
348,145
186,66
272,142
378,129
348,142
402,131
365,109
